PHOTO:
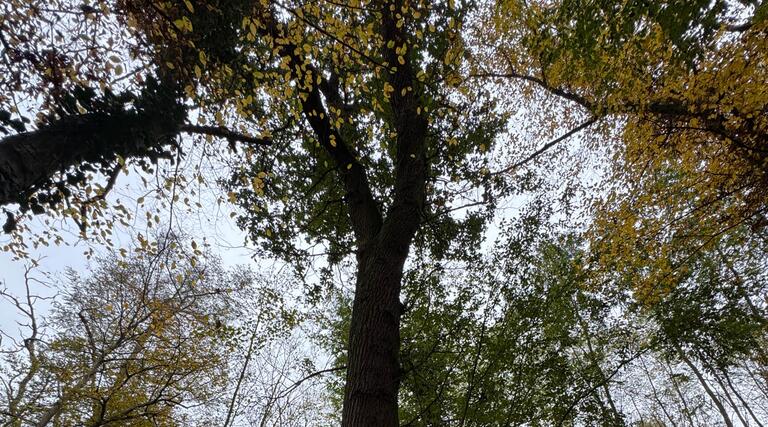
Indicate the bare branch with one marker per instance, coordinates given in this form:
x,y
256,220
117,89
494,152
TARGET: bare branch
x,y
224,132
547,146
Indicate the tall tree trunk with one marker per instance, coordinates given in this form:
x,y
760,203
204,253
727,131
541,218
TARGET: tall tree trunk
x,y
243,370
373,374
382,241
373,370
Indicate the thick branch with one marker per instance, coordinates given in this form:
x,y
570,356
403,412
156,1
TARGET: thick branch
x,y
29,159
363,210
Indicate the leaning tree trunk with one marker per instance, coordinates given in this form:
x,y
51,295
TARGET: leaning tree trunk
x,y
28,159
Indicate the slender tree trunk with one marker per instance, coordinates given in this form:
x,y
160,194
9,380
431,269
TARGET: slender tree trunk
x,y
729,399
759,382
248,354
686,409
719,381
741,399
661,404
614,412
703,382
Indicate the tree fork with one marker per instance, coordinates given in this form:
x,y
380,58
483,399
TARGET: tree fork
x,y
373,376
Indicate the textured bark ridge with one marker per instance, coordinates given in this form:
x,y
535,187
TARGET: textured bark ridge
x,y
370,398
28,160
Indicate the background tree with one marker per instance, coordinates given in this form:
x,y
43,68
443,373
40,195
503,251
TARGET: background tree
x,y
134,343
681,83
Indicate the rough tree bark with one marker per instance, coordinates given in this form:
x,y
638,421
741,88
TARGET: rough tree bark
x,y
29,159
373,374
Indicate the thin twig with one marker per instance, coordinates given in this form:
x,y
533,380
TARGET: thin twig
x,y
224,132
